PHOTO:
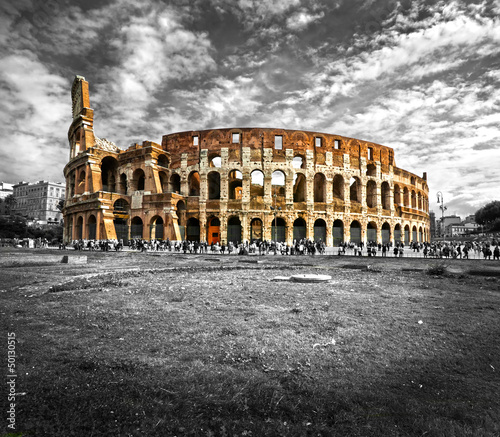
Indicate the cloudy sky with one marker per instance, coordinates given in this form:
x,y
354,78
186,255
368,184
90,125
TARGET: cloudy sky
x,y
420,76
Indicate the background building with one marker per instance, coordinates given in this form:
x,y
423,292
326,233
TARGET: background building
x,y
238,184
39,201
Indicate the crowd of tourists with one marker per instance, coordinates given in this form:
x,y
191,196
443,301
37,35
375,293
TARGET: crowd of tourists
x,y
488,249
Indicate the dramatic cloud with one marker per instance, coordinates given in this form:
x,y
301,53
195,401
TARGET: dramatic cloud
x,y
420,76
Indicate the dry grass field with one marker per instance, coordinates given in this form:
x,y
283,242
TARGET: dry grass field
x,y
142,344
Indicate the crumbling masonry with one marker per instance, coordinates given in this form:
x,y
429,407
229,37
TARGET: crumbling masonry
x,y
238,184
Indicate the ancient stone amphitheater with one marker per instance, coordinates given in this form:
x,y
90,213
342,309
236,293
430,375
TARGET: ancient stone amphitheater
x,y
239,184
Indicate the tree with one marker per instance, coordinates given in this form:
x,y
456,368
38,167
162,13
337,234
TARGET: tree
x,y
489,215
10,203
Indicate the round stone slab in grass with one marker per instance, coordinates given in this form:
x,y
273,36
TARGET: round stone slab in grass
x,y
311,278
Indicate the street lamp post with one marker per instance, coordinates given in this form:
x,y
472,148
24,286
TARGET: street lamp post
x,y
440,199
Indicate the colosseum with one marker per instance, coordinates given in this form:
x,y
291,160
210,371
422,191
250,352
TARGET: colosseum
x,y
238,184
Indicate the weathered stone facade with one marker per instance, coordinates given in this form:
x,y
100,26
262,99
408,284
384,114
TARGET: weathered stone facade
x,y
236,184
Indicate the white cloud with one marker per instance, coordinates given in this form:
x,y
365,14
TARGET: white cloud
x,y
301,19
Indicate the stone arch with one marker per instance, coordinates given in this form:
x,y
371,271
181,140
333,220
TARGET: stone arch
x,y
109,168
397,194
338,187
213,230
235,185
213,180
338,232
81,182
136,228
194,183
355,232
214,160
234,229
79,228
138,181
319,187
256,184
397,233
371,232
420,235
413,199
414,235
278,229
156,228
180,209
278,181
175,183
371,194
355,190
163,161
407,235
320,230
412,180
256,230
193,229
123,184
299,229
163,181
92,227
386,195
419,201
386,233
406,197
299,187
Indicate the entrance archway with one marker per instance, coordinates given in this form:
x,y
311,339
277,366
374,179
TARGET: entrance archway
x,y
407,235
355,232
79,228
338,232
299,229
256,230
136,228
234,230
320,230
386,233
193,229
213,231
92,227
397,233
156,228
371,232
278,229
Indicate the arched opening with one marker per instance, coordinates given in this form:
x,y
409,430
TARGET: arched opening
x,y
180,210
156,228
412,180
371,170
419,201
215,161
138,180
213,185
386,233
235,184
163,181
299,229
256,184
355,232
109,167
397,195
338,187
397,233
406,197
194,183
234,230
355,190
81,183
79,228
299,187
371,232
371,194
121,214
414,236
413,200
420,235
92,227
193,229
407,235
163,161
175,183
338,232
299,162
319,187
278,180
123,184
213,230
386,195
256,230
278,227
136,228
320,230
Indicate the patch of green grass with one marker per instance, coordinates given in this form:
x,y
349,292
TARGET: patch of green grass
x,y
199,350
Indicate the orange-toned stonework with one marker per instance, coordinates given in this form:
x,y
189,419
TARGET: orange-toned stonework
x,y
238,184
